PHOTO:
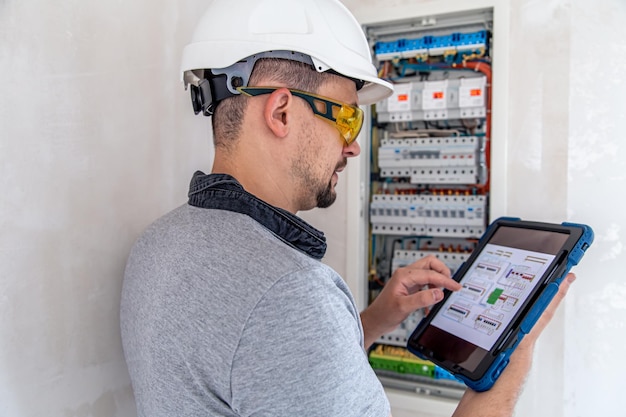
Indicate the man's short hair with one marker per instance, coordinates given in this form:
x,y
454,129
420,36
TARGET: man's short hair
x,y
229,112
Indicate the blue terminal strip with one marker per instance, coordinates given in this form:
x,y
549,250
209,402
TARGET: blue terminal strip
x,y
454,47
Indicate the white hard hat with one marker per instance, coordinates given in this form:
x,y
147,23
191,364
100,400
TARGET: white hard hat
x,y
232,35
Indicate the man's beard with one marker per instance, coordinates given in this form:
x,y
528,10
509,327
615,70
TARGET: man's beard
x,y
327,196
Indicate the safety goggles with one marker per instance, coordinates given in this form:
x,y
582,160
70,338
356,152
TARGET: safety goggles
x,y
348,119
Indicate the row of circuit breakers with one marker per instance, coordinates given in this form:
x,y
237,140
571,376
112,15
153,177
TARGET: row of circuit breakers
x,y
438,161
429,173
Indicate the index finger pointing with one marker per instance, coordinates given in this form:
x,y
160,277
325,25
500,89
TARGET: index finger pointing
x,y
433,263
415,279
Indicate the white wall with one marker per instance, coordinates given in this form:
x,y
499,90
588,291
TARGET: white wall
x,y
595,328
97,139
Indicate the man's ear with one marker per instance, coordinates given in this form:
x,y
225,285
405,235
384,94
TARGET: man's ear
x,y
278,112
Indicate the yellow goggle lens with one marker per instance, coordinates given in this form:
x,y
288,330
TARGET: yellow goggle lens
x,y
349,121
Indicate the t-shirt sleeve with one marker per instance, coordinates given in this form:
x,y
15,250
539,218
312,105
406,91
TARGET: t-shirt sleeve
x,y
301,354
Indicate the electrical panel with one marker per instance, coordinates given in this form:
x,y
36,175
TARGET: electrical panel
x,y
428,167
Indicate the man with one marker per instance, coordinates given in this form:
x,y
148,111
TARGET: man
x,y
226,307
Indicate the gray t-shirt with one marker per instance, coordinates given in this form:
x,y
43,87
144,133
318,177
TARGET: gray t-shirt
x,y
221,318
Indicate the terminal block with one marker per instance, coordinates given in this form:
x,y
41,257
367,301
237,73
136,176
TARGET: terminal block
x,y
452,160
428,215
455,47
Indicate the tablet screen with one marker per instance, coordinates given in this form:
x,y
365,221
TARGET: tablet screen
x,y
495,288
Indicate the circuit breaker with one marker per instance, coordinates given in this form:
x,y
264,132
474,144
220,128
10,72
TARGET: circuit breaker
x,y
429,166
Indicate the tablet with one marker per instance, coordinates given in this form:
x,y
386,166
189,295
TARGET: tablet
x,y
507,283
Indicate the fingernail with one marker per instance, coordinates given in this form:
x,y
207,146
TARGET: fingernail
x,y
571,278
437,294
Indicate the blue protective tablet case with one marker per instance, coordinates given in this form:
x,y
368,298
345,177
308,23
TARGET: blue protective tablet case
x,y
501,361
